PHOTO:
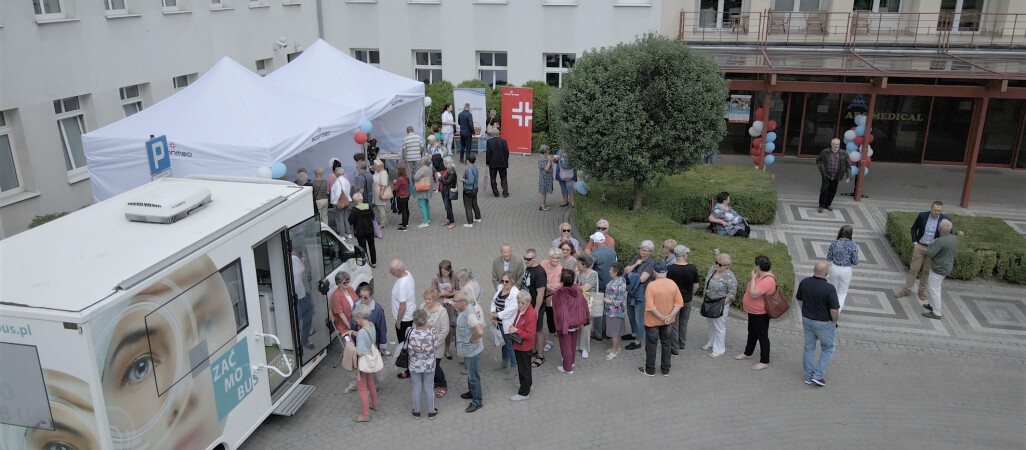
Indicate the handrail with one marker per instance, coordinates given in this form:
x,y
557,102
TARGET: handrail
x,y
253,369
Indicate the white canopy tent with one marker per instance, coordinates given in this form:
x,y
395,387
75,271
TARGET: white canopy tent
x,y
229,122
390,102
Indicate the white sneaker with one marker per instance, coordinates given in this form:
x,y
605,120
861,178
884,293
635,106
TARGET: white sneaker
x,y
584,354
423,225
560,368
468,225
477,220
706,347
548,346
519,397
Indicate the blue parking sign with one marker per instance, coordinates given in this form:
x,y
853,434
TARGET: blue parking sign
x,y
159,157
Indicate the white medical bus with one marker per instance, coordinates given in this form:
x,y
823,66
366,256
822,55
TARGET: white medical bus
x,y
176,315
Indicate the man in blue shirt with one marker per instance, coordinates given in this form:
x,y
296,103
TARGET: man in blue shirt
x,y
924,231
466,123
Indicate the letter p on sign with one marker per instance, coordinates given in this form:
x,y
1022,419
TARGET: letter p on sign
x,y
158,156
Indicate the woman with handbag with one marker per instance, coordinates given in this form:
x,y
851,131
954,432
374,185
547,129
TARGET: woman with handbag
x,y
762,282
401,186
522,333
369,358
503,311
420,346
423,187
361,219
570,312
567,177
447,186
385,192
587,280
445,283
438,320
720,289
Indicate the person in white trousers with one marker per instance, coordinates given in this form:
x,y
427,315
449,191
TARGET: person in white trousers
x,y
843,255
720,283
448,120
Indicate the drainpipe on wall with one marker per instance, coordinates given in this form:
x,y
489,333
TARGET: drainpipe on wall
x,y
320,21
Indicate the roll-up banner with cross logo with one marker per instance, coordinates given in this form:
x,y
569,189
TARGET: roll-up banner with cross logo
x,y
517,115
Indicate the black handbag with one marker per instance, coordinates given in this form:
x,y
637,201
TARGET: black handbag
x,y
712,307
516,338
454,194
403,359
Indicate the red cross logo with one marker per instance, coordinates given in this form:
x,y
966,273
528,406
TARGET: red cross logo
x,y
171,144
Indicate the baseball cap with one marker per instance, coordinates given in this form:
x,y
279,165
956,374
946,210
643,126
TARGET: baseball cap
x,y
598,238
681,250
659,267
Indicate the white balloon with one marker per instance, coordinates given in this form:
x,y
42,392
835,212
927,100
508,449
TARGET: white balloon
x,y
757,125
263,172
753,133
869,151
427,101
854,156
849,135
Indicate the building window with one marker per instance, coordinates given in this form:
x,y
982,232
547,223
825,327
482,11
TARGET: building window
x,y
877,5
964,13
115,7
791,5
372,57
49,9
716,13
174,6
264,66
427,65
71,126
557,64
130,99
182,81
491,67
10,178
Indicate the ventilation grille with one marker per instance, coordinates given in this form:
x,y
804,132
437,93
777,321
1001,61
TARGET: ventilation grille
x,y
145,205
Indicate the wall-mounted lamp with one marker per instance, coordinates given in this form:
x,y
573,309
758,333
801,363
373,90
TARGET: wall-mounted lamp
x,y
280,43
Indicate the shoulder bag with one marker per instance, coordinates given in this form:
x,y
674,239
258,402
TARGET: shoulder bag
x,y
423,184
711,307
386,192
776,306
403,359
371,362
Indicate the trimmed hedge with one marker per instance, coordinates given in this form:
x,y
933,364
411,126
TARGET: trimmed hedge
x,y
629,228
990,247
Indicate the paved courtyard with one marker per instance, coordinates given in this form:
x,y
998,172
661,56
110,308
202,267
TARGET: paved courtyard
x,y
898,380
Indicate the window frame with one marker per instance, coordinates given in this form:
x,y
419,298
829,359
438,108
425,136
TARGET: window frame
x,y
7,130
429,67
43,15
63,115
188,81
268,66
560,70
110,10
368,52
875,6
135,100
493,68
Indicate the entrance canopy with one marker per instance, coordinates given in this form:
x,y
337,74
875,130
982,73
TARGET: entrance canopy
x,y
229,122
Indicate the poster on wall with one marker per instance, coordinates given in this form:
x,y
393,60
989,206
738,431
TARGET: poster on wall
x,y
517,114
739,109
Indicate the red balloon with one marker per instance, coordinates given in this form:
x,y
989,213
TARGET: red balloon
x,y
756,142
756,160
771,125
859,140
869,161
760,113
868,138
755,151
360,137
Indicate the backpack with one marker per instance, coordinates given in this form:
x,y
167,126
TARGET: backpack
x,y
436,162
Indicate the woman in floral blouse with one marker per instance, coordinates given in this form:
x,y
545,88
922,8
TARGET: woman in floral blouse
x,y
615,308
421,349
843,255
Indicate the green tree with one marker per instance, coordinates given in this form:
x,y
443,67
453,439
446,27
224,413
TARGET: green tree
x,y
540,121
440,93
639,110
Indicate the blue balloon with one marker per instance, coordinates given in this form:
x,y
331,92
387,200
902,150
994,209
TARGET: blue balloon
x,y
277,170
865,171
770,147
366,126
851,147
860,120
770,158
860,130
771,136
854,170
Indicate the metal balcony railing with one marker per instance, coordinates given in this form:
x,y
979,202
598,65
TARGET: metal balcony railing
x,y
944,29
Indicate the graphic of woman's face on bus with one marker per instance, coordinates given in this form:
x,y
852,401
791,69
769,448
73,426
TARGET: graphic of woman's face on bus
x,y
156,376
73,420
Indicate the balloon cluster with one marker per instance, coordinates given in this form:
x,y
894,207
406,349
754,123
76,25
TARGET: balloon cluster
x,y
856,139
365,128
756,130
277,170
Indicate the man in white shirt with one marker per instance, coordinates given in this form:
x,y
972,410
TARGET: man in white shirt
x,y
404,302
338,189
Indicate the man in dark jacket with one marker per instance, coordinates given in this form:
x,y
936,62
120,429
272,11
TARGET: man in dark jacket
x,y
833,164
497,160
923,232
466,123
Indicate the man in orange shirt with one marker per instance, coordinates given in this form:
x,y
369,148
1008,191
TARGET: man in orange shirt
x,y
662,302
602,226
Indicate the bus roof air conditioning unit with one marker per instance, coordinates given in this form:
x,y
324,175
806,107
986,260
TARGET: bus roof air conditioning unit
x,y
166,202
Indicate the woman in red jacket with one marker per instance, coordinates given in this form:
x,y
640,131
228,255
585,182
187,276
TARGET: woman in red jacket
x,y
523,326
570,311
